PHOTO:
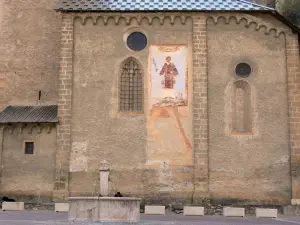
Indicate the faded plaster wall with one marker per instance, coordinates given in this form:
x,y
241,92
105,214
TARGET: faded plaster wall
x,y
248,166
29,52
99,132
28,176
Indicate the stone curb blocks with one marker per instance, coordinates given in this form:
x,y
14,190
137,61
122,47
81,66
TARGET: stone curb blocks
x,y
155,210
193,211
233,212
61,207
295,202
266,213
12,206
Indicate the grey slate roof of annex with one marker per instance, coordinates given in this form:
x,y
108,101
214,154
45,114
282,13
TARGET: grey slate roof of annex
x,y
159,5
29,114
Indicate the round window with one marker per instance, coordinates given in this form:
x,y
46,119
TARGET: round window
x,y
243,70
137,41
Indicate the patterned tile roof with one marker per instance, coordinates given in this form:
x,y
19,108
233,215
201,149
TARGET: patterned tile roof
x,y
159,5
29,114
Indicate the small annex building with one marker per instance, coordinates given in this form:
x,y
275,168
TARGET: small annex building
x,y
188,100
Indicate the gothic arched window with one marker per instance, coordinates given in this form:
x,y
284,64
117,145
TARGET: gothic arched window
x,y
241,107
131,87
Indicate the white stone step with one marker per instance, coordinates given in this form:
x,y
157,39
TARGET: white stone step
x,y
155,210
12,206
266,213
233,212
61,207
193,211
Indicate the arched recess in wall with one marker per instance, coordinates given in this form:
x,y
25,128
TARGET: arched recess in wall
x,y
241,107
131,88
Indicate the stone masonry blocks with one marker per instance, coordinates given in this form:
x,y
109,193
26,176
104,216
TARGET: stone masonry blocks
x,y
155,210
193,211
293,70
233,212
200,107
64,106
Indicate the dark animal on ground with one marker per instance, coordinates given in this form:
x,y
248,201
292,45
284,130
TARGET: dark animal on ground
x,y
118,195
6,199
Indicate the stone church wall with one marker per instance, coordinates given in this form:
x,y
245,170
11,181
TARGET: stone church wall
x,y
257,157
100,132
223,160
29,52
253,164
28,177
250,165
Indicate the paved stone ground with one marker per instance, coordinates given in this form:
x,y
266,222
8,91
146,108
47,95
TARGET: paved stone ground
x,y
51,218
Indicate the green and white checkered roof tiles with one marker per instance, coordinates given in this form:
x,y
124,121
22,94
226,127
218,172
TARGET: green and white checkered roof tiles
x,y
159,5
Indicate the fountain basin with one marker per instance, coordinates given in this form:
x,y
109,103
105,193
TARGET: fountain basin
x,y
104,209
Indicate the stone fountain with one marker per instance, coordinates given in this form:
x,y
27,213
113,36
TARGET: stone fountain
x,y
104,208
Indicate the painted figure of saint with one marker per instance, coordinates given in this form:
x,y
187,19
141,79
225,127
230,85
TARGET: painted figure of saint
x,y
170,72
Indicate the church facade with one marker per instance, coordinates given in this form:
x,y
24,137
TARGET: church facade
x,y
186,101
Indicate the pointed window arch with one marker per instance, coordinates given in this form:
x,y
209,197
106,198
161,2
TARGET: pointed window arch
x,y
131,87
241,107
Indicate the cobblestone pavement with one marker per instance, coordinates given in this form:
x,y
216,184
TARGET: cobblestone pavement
x,y
51,218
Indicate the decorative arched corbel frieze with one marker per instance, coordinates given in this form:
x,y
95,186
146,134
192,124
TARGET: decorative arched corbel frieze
x,y
251,20
139,19
105,19
49,128
269,26
172,18
183,19
86,19
129,18
227,19
250,23
79,18
94,19
21,128
10,129
117,19
39,128
146,19
150,20
162,20
30,128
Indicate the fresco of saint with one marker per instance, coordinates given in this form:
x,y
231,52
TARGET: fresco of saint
x,y
170,72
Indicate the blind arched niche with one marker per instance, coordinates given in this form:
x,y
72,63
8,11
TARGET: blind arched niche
x,y
241,107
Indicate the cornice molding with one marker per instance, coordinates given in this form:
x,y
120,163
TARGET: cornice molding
x,y
129,18
251,20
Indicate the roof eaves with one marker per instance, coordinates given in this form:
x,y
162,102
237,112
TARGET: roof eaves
x,y
294,27
29,114
61,6
158,11
30,122
258,5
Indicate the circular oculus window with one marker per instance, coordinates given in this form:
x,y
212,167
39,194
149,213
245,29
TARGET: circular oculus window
x,y
137,41
243,70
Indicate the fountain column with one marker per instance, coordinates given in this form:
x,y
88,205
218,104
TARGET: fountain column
x,y
104,174
104,208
